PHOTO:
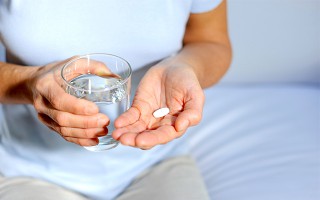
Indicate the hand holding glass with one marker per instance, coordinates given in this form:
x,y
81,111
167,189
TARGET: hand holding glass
x,y
103,79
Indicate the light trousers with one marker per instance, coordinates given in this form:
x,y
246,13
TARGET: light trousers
x,y
176,178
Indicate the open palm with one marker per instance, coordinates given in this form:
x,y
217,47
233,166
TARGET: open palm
x,y
174,87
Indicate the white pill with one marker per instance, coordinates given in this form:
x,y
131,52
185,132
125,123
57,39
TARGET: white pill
x,y
161,112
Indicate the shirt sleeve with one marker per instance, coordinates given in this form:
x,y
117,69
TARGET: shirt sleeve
x,y
199,6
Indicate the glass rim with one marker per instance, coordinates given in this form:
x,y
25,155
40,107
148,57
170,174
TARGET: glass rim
x,y
122,81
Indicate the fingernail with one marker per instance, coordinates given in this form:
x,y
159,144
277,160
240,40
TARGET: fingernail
x,y
102,122
93,142
102,72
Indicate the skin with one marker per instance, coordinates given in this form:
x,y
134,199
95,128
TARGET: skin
x,y
176,82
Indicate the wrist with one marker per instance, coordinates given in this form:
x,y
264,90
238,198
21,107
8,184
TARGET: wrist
x,y
30,74
16,87
180,63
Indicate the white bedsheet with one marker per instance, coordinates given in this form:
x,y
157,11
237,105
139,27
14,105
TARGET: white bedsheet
x,y
260,142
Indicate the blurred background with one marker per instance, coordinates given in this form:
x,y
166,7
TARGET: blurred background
x,y
274,40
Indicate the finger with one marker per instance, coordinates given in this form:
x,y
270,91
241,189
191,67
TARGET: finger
x,y
128,139
83,133
83,142
46,120
136,135
137,127
76,121
72,132
187,118
162,135
61,100
129,117
140,110
84,65
191,114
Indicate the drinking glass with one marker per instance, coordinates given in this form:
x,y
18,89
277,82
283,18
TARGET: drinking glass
x,y
104,79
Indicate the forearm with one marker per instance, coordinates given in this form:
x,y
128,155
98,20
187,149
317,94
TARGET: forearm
x,y
209,60
207,48
14,83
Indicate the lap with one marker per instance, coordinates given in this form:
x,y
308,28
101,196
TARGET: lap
x,y
29,188
175,178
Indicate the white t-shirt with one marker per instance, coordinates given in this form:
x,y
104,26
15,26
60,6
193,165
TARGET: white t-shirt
x,y
41,32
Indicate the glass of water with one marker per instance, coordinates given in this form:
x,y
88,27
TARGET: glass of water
x,y
104,79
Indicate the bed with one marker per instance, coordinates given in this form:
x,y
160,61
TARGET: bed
x,y
260,142
260,134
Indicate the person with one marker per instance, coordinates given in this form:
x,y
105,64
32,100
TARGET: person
x,y
176,49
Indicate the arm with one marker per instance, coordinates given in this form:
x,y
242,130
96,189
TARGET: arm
x,y
76,120
207,48
177,83
14,79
